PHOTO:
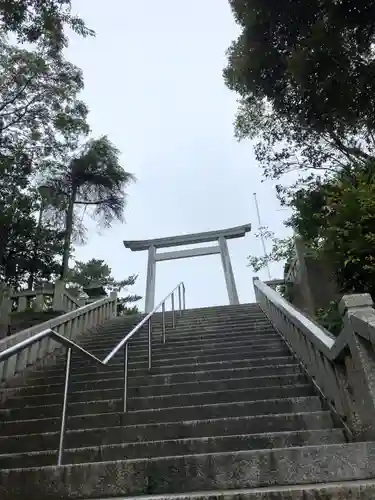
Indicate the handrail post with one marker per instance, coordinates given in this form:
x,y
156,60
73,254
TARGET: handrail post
x,y
173,311
179,300
149,344
126,356
183,297
163,319
64,407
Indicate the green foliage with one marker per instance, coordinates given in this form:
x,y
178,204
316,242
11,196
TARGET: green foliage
x,y
24,248
94,178
96,272
40,120
40,115
282,249
123,308
43,142
41,21
330,318
286,291
336,219
304,72
342,225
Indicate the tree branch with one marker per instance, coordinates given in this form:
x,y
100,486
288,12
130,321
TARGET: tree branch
x,y
98,202
11,101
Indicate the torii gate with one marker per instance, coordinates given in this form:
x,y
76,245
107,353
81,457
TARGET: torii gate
x,y
189,239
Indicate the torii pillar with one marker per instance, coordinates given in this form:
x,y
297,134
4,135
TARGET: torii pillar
x,y
221,248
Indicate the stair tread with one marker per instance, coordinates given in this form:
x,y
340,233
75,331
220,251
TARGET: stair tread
x,y
311,413
241,469
324,489
170,409
195,385
186,440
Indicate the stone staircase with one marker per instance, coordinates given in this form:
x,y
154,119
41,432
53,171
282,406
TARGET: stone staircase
x,y
226,413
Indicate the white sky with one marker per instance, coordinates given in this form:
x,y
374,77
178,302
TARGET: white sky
x,y
153,83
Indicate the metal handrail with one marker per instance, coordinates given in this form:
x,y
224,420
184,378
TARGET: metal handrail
x,y
72,346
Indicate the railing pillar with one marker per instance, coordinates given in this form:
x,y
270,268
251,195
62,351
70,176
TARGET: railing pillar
x,y
113,296
5,310
22,304
58,296
39,302
360,362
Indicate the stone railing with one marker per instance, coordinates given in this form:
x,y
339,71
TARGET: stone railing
x,y
26,299
63,300
343,368
52,296
70,325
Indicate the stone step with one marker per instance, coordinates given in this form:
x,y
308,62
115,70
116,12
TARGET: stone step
x,y
190,446
170,348
186,327
158,348
243,469
166,362
110,338
285,389
296,397
57,375
176,343
116,387
345,490
311,417
223,395
205,349
186,322
212,312
116,378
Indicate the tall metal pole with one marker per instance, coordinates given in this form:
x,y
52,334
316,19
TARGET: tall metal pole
x,y
261,235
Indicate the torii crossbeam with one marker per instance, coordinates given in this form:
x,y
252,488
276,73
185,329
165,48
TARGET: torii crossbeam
x,y
220,236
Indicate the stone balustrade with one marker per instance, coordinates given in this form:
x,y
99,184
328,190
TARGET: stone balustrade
x,y
51,296
71,325
343,368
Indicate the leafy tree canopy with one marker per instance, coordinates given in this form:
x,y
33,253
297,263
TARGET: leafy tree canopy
x,y
41,21
92,177
25,248
40,113
304,72
336,218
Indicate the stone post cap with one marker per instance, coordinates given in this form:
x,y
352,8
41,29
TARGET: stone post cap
x,y
355,301
113,295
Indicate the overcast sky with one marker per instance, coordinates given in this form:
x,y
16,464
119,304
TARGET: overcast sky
x,y
153,83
